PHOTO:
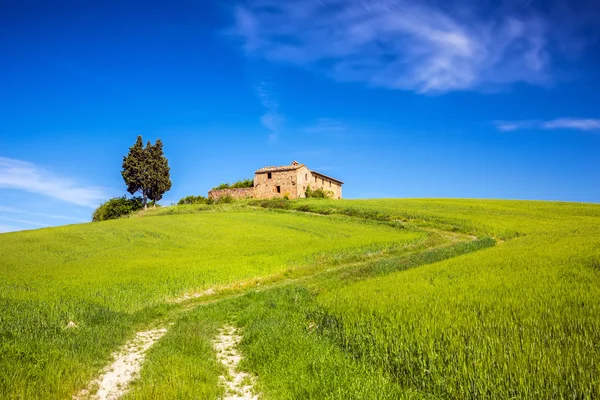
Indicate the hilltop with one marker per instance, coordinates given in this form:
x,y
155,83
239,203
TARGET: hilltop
x,y
413,298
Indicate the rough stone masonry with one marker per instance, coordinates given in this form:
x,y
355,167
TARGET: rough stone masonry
x,y
286,181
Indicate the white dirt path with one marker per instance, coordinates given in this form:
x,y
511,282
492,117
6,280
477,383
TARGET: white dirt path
x,y
238,384
115,379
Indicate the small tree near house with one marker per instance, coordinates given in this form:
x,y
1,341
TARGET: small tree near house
x,y
159,166
146,170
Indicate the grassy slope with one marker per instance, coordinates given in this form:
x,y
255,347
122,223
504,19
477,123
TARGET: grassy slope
x,y
112,277
519,320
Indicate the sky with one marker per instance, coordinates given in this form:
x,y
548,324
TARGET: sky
x,y
462,99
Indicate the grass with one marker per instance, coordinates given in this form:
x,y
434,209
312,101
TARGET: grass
x,y
376,299
283,343
183,362
518,320
112,277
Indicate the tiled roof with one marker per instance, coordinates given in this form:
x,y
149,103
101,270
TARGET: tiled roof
x,y
282,168
325,176
292,167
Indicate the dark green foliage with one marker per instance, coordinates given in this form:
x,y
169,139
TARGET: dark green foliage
x,y
205,200
116,208
134,171
318,193
193,200
225,200
160,181
146,170
271,203
244,183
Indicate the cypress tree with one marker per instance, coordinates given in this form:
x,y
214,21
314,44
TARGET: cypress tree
x,y
160,172
146,170
135,170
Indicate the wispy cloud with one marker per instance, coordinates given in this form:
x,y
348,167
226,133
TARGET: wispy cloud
x,y
38,214
8,228
272,120
326,125
581,124
405,45
589,124
22,175
23,221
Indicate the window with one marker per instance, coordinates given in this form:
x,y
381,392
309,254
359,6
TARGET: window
x,y
305,177
329,183
315,179
323,181
278,188
269,176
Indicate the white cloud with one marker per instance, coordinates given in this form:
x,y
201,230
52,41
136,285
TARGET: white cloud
x,y
326,125
8,228
23,221
22,175
38,214
272,120
400,45
581,124
589,124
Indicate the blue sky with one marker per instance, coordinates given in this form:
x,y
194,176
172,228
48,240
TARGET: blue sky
x,y
396,98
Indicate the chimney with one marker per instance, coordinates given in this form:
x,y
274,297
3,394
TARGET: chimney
x,y
294,163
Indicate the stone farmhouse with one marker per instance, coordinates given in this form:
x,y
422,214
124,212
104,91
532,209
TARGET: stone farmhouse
x,y
288,180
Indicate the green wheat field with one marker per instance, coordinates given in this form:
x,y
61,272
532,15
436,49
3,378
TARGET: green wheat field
x,y
334,299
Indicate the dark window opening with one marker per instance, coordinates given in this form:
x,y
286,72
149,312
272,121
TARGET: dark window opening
x,y
278,188
329,183
322,181
305,177
315,179
269,176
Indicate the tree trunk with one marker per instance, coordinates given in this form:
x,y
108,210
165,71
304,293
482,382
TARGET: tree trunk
x,y
145,201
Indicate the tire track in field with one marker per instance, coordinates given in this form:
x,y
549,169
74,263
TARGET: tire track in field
x,y
115,378
238,384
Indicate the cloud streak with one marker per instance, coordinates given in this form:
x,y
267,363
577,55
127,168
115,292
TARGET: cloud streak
x,y
403,45
580,124
26,176
326,126
272,120
9,228
38,214
22,221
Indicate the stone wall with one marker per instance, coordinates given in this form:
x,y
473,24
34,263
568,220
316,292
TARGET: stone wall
x,y
239,193
303,178
317,181
287,181
280,184
293,184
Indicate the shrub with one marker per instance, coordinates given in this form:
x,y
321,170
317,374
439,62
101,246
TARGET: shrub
x,y
225,200
244,183
116,208
318,193
221,186
271,203
193,200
